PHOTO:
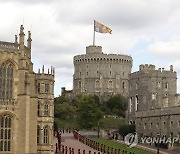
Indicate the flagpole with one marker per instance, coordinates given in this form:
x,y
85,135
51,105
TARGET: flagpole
x,y
94,35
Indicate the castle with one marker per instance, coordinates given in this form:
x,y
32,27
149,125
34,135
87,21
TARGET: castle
x,y
101,74
26,101
153,102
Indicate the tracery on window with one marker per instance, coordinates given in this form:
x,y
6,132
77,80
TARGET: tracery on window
x,y
5,133
6,81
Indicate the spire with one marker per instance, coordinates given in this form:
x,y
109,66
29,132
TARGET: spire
x,y
16,38
21,40
29,40
21,35
43,69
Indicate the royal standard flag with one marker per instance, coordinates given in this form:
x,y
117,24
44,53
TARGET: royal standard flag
x,y
98,27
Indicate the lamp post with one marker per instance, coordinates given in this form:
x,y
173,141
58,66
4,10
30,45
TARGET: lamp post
x,y
158,137
98,129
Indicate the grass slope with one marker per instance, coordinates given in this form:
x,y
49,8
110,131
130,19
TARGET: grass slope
x,y
116,145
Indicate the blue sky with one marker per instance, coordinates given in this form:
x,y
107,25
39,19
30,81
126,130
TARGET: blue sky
x,y
147,30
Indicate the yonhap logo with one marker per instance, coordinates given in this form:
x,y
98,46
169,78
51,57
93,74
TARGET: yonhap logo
x,y
131,139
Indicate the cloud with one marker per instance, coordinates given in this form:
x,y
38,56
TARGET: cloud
x,y
166,49
61,29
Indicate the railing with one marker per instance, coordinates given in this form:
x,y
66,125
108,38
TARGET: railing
x,y
9,46
8,102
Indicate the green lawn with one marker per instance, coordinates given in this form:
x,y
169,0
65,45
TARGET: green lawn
x,y
116,145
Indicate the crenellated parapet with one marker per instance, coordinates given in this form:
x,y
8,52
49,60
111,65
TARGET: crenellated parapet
x,y
94,54
8,46
46,75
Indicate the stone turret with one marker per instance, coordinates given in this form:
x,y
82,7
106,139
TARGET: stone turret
x,y
16,39
29,40
94,50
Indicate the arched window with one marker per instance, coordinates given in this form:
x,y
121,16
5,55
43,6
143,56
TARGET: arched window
x,y
97,84
123,85
38,134
38,87
46,109
130,104
136,103
46,135
5,133
166,85
38,109
79,84
6,81
110,84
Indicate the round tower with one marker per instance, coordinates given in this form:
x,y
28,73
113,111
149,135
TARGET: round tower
x,y
101,74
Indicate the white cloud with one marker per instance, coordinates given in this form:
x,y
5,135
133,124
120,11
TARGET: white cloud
x,y
166,49
63,28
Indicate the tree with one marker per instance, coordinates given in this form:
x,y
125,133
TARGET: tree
x,y
125,129
117,104
88,112
63,108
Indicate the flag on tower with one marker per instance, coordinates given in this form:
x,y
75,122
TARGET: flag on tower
x,y
98,27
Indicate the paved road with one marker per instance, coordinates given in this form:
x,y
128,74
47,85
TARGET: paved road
x,y
69,141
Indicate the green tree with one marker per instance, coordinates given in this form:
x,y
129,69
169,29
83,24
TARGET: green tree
x,y
88,112
63,108
125,129
117,105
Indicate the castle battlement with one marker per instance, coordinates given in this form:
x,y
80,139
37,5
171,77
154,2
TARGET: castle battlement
x,y
49,75
9,46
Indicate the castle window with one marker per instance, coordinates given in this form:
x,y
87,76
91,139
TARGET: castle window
x,y
159,84
154,96
151,125
6,81
110,84
178,123
46,88
46,135
130,105
79,74
166,85
144,125
46,109
171,124
38,134
5,133
110,73
157,125
123,85
136,85
39,88
97,85
97,73
136,103
86,73
39,109
164,123
79,84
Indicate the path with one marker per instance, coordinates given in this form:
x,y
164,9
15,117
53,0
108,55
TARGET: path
x,y
69,141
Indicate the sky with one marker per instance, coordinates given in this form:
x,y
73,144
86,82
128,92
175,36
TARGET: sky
x,y
147,30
